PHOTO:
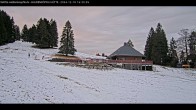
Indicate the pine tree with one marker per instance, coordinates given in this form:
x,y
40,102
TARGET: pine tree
x,y
192,47
160,47
13,36
17,32
37,38
192,43
46,33
3,32
182,57
43,34
53,33
24,33
7,28
129,43
172,47
32,34
172,53
67,40
48,38
148,46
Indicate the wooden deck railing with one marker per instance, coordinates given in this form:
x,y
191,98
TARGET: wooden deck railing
x,y
131,61
121,61
107,61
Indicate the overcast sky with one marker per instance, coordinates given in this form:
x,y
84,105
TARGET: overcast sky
x,y
105,29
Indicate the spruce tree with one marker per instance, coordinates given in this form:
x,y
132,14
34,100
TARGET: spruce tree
x,y
37,38
148,46
43,34
32,34
24,33
8,23
129,43
48,42
173,58
7,28
11,32
17,32
53,33
192,47
192,43
3,32
67,40
182,57
13,36
160,47
46,33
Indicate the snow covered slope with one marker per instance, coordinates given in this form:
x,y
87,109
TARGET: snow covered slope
x,y
32,79
84,56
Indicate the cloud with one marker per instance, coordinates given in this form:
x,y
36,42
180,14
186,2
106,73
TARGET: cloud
x,y
105,29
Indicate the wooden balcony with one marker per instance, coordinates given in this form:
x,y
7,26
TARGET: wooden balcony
x,y
148,62
131,61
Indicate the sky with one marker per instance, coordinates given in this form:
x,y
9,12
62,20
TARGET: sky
x,y
103,29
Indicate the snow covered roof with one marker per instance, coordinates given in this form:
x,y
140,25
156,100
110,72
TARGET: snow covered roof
x,y
126,51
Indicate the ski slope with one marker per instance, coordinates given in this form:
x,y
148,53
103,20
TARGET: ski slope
x,y
25,79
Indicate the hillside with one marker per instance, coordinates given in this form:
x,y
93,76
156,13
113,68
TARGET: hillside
x,y
25,79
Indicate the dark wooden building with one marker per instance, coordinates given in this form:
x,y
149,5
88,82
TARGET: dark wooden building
x,y
129,58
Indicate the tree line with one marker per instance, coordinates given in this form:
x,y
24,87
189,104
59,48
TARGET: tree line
x,y
186,46
9,32
44,34
158,50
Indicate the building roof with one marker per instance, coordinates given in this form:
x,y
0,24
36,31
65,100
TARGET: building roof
x,y
126,50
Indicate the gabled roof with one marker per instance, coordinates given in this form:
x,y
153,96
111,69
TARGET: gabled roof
x,y
126,50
